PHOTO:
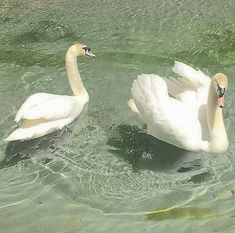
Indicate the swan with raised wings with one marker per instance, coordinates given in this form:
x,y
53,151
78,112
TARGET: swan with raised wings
x,y
44,113
186,112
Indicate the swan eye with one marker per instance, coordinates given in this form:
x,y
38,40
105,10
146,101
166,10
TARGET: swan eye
x,y
221,90
88,52
87,49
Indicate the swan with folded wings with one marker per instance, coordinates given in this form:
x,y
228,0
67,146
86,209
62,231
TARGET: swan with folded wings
x,y
44,113
186,112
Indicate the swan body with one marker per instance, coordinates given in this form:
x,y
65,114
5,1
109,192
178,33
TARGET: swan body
x,y
44,113
184,111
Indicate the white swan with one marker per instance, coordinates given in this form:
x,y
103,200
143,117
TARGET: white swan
x,y
185,111
44,113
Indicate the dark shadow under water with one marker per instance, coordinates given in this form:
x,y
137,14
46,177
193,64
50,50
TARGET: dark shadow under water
x,y
17,151
130,143
143,151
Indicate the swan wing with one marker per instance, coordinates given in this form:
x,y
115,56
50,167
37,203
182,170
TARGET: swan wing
x,y
191,85
49,107
167,118
195,78
31,101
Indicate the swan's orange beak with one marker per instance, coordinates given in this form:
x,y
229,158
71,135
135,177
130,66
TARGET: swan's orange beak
x,y
220,101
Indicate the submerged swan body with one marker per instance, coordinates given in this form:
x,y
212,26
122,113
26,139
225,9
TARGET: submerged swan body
x,y
185,111
44,113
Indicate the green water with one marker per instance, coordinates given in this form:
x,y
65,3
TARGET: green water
x,y
103,173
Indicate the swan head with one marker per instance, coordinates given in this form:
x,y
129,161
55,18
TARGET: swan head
x,y
220,83
81,50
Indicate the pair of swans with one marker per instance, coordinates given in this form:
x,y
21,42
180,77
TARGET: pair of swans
x,y
185,112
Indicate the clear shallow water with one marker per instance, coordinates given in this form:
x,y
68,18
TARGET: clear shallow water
x,y
103,173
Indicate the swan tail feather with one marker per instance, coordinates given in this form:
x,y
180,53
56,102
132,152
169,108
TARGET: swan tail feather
x,y
32,129
22,134
18,118
19,135
132,106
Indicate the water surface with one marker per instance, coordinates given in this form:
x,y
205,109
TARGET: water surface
x,y
103,173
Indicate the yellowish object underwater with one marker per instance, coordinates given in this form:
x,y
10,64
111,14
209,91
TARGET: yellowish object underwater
x,y
182,212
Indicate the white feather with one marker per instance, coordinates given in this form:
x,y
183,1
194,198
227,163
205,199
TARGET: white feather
x,y
43,113
181,118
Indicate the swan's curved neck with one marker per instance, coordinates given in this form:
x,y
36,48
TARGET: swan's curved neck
x,y
74,75
218,137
